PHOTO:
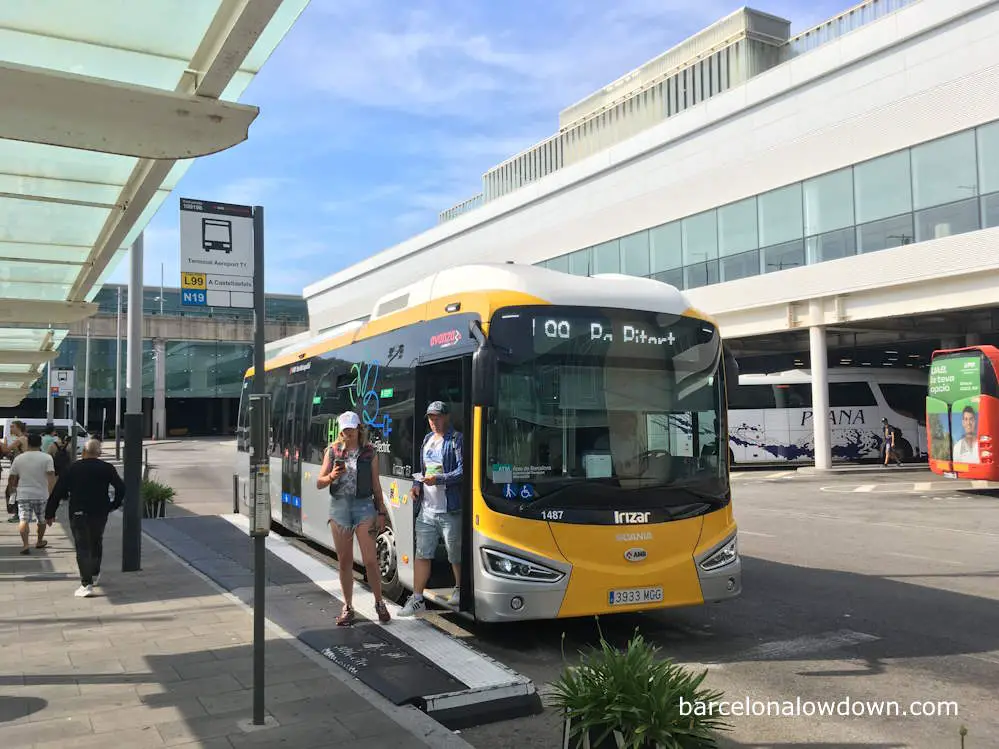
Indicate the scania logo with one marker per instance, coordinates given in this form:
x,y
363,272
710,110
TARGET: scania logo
x,y
635,555
630,518
643,536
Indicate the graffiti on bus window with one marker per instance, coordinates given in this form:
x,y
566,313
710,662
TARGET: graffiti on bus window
x,y
364,397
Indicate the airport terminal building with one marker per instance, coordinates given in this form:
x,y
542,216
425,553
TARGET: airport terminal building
x,y
831,199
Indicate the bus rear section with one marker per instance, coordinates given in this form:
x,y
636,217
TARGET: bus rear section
x,y
602,484
962,413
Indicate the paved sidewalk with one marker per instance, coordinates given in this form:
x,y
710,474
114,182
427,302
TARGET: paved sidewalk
x,y
162,658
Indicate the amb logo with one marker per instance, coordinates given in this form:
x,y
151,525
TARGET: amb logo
x,y
632,518
635,555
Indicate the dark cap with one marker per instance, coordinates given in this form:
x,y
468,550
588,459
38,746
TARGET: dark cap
x,y
437,407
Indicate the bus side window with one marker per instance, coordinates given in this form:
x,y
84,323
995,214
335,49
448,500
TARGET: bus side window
x,y
276,382
797,395
327,404
850,395
395,414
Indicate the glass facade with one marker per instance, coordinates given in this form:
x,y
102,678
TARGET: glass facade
x,y
201,369
289,309
937,189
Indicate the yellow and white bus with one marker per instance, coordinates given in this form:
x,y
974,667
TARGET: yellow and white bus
x,y
592,410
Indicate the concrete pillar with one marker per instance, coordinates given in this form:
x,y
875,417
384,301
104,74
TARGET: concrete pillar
x,y
159,389
820,385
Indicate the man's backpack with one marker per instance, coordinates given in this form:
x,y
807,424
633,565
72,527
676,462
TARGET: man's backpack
x,y
61,459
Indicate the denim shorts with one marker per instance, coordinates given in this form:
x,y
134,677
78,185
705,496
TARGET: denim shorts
x,y
350,512
432,525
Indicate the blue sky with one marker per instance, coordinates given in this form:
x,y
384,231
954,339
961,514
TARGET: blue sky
x,y
376,115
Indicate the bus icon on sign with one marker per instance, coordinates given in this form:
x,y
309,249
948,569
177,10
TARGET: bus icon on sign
x,y
216,234
193,297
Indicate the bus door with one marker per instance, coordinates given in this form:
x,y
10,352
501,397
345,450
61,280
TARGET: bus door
x,y
448,381
291,458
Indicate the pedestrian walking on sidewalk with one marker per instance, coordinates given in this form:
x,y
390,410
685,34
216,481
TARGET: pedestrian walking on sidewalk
x,y
32,478
87,484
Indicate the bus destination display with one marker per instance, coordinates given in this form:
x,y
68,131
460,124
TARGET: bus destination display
x,y
638,337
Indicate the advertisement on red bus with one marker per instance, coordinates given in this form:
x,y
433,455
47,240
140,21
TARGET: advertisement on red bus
x,y
962,413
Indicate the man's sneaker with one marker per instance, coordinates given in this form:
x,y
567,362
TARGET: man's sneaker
x,y
97,579
413,607
455,598
84,591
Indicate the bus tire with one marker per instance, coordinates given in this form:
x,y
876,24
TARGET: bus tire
x,y
731,457
904,451
388,565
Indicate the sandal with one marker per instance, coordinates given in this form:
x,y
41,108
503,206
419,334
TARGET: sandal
x,y
41,544
346,617
383,614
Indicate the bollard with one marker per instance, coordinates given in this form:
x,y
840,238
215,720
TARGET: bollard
x,y
235,494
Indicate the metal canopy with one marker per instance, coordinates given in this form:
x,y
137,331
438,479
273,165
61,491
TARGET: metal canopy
x,y
107,105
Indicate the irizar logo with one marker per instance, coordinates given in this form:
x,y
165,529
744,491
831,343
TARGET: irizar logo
x,y
635,555
631,518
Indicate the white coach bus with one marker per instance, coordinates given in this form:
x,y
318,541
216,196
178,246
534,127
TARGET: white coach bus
x,y
770,416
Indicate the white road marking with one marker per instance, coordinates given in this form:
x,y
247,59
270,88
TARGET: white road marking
x,y
809,645
866,488
754,533
924,559
475,669
922,486
780,474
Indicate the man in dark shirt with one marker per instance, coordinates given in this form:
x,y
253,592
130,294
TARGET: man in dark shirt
x,y
87,484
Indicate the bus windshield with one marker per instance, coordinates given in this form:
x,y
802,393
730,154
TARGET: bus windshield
x,y
605,409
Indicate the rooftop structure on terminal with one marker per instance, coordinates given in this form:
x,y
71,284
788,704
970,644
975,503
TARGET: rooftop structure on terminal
x,y
723,56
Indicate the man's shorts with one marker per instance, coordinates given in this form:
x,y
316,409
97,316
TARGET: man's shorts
x,y
28,507
432,525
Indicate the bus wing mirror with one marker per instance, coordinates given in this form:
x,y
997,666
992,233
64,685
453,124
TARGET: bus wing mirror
x,y
731,373
483,369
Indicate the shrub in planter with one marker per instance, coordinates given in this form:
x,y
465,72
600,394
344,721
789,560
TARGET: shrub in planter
x,y
155,497
631,699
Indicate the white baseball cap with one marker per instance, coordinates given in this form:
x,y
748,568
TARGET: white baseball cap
x,y
349,420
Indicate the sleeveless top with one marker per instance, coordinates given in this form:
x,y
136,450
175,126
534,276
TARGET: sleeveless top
x,y
356,481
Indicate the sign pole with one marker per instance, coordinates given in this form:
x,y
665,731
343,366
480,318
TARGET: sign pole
x,y
117,383
260,458
222,265
131,529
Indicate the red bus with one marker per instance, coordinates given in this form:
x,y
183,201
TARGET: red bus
x,y
962,413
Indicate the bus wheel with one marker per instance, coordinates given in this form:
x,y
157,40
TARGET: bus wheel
x,y
904,451
731,457
388,565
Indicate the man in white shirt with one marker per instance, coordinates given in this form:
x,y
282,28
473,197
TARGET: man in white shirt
x,y
33,476
966,448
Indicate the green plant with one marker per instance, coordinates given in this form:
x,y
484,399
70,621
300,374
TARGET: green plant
x,y
155,496
633,698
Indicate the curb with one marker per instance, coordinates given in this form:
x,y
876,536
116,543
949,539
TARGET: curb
x,y
877,470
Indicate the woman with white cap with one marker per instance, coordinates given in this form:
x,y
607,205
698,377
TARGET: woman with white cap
x,y
357,507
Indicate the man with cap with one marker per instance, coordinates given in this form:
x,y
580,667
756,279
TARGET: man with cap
x,y
437,504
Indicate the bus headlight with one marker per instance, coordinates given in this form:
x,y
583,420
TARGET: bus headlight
x,y
514,568
728,553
